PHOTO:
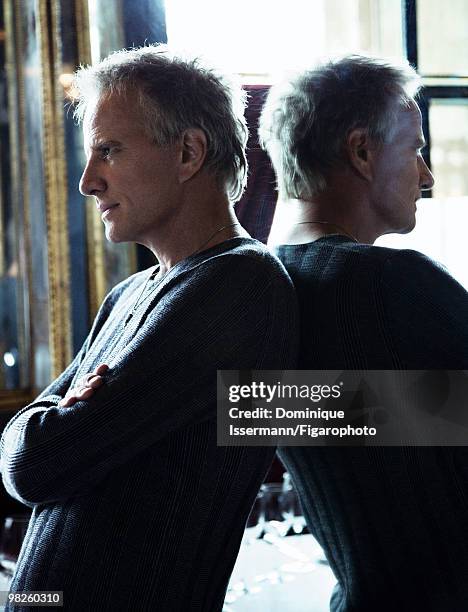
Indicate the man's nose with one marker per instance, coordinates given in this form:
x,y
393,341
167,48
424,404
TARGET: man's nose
x,y
91,183
426,178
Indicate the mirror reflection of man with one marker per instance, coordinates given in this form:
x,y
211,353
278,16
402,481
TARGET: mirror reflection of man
x,y
345,139
134,505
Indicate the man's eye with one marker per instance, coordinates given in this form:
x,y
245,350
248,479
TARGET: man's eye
x,y
105,152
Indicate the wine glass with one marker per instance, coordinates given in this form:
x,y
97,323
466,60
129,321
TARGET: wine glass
x,y
278,521
253,531
278,510
255,524
291,504
11,539
299,525
291,509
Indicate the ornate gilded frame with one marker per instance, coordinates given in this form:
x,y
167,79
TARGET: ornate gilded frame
x,y
56,193
39,182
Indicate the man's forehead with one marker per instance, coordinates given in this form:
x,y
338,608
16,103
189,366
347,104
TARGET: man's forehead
x,y
103,109
409,121
112,113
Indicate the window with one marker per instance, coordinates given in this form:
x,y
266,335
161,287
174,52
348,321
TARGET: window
x,y
261,38
442,219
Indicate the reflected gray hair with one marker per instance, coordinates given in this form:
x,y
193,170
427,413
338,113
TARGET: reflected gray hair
x,y
176,94
306,120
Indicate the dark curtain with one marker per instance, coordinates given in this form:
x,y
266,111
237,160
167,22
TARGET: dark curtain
x,y
144,22
256,208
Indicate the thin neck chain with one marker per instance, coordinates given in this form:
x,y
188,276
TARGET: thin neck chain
x,y
213,235
155,272
342,230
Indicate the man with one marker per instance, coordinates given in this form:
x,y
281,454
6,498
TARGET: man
x,y
345,139
134,505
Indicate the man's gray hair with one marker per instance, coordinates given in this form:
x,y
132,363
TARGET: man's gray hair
x,y
176,94
306,120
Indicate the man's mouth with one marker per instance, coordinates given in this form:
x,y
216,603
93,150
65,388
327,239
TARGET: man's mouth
x,y
105,209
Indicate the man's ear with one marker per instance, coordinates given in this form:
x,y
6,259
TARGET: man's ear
x,y
193,153
360,152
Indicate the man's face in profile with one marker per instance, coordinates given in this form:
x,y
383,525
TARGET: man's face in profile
x,y
133,180
400,174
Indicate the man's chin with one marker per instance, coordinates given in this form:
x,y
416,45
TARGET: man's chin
x,y
411,225
402,230
114,237
408,229
408,225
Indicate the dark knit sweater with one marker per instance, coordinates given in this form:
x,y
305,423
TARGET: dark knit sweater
x,y
393,521
134,505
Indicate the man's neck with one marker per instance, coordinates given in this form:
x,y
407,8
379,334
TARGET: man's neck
x,y
200,225
299,221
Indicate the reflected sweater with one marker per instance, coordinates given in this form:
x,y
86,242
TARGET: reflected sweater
x,y
135,507
393,521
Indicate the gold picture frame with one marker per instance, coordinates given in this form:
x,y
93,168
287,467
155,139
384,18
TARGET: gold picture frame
x,y
38,187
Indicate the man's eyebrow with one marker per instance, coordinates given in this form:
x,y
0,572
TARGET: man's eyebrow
x,y
102,144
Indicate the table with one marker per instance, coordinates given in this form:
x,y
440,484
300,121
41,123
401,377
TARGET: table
x,y
259,585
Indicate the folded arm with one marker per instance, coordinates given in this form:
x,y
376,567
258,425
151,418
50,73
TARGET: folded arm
x,y
226,317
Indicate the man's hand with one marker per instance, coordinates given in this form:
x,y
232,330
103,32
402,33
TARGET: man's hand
x,y
85,387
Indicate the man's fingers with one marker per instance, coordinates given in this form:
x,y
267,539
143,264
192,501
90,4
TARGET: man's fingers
x,y
76,395
67,401
85,393
101,369
95,382
89,379
85,387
